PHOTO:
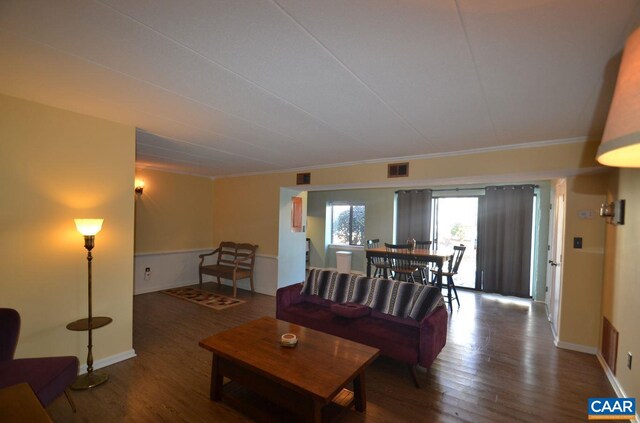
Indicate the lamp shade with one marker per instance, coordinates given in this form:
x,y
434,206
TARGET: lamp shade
x,y
620,145
88,227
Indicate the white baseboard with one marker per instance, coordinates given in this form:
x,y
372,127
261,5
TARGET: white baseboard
x,y
108,361
162,287
575,347
614,382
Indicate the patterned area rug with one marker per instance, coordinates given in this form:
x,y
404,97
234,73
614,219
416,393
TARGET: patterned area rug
x,y
207,299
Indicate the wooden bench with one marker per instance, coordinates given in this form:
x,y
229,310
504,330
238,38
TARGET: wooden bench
x,y
235,261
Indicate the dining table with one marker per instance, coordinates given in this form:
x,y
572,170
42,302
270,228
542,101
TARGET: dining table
x,y
439,258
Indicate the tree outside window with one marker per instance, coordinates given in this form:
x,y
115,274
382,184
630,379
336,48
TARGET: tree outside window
x,y
347,224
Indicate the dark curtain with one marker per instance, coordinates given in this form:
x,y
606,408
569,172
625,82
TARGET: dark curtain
x,y
413,219
505,239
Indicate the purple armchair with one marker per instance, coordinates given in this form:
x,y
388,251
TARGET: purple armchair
x,y
48,376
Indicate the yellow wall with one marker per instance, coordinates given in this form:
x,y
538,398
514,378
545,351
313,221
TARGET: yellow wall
x,y
55,166
621,293
583,268
247,206
175,212
248,210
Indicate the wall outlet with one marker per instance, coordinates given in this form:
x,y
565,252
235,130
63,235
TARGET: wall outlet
x,y
629,359
147,273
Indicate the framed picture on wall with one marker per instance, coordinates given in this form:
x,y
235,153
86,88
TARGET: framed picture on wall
x,y
296,214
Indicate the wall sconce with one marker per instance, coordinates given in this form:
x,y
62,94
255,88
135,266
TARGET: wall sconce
x,y
613,212
139,186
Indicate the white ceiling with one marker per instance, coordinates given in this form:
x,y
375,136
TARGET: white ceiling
x,y
221,87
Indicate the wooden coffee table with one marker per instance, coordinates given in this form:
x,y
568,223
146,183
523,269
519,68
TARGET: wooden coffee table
x,y
309,380
18,403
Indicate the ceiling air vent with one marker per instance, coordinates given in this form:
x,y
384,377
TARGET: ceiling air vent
x,y
397,170
303,178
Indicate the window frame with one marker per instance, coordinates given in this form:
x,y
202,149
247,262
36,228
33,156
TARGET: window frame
x,y
351,206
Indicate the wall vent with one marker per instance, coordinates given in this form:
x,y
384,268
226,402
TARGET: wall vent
x,y
303,178
396,170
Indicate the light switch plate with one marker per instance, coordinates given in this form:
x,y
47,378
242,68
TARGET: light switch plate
x,y
577,242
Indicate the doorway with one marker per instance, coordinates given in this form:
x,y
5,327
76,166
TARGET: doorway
x,y
554,273
455,222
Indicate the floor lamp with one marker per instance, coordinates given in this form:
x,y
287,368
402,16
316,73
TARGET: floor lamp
x,y
89,228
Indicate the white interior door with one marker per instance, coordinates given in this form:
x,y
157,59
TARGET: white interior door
x,y
555,261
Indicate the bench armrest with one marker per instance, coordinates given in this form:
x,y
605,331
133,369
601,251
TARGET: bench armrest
x,y
202,256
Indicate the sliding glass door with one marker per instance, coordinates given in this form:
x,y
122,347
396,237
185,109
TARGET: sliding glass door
x,y
455,222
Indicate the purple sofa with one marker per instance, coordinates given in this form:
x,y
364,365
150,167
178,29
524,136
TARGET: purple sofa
x,y
415,334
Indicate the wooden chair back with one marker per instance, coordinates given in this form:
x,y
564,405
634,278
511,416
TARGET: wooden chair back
x,y
423,265
454,263
397,248
423,245
403,268
243,254
377,261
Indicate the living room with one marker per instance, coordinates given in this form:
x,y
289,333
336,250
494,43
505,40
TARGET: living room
x,y
61,160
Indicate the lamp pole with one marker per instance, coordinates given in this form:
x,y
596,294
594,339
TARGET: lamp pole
x,y
89,228
88,244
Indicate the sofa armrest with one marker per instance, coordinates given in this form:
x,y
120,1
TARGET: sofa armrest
x,y
288,295
433,335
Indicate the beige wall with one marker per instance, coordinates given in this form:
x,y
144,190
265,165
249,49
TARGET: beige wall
x,y
55,166
583,268
174,213
621,293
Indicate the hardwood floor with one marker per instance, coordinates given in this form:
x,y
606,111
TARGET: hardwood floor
x,y
499,365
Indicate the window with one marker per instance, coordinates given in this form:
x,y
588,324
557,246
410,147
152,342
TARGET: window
x,y
347,224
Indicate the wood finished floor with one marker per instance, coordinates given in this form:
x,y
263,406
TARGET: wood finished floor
x,y
499,365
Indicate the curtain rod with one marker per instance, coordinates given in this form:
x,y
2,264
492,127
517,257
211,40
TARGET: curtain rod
x,y
462,189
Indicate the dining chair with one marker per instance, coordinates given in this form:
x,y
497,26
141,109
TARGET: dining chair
x,y
48,377
454,265
423,245
423,265
381,263
403,268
